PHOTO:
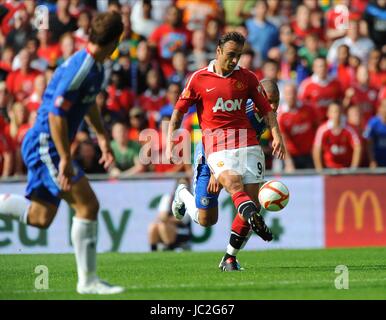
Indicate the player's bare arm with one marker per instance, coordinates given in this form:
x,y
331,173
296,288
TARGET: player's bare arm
x,y
94,120
59,133
277,143
174,124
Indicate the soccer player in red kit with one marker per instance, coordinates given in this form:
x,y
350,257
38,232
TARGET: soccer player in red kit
x,y
336,144
220,92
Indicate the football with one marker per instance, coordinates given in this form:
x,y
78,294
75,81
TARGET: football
x,y
273,195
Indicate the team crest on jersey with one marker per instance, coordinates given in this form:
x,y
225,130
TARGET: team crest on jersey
x,y
60,102
186,94
239,85
204,201
220,164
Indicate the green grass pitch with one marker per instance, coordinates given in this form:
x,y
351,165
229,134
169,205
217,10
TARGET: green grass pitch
x,y
274,274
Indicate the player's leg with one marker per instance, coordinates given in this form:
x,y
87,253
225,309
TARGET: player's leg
x,y
38,208
84,238
37,212
153,235
202,206
241,228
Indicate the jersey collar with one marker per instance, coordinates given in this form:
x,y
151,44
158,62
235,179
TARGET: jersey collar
x,y
321,82
211,69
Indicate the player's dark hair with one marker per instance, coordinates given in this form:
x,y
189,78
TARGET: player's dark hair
x,y
105,28
231,36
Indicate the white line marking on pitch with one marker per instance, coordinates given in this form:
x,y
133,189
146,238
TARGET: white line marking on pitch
x,y
161,286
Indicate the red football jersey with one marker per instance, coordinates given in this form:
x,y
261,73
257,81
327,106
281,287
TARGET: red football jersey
x,y
298,128
21,85
337,147
319,94
119,99
220,103
366,99
345,76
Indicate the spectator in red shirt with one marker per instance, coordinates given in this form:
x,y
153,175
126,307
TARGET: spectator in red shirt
x,y
34,100
20,83
382,94
298,125
319,90
342,70
153,98
355,121
4,100
6,150
18,127
7,56
48,50
302,26
169,37
376,73
120,98
362,94
82,33
335,20
138,122
336,144
9,8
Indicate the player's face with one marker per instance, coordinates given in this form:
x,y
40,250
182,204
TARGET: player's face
x,y
229,55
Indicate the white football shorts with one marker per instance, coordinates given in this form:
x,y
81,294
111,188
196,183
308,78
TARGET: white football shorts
x,y
249,162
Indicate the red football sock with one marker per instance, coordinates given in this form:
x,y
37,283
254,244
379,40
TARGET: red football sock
x,y
240,226
244,204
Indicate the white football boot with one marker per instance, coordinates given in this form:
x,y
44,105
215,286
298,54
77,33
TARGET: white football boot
x,y
178,207
98,286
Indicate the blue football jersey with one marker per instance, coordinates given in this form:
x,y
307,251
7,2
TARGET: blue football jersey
x,y
70,93
257,122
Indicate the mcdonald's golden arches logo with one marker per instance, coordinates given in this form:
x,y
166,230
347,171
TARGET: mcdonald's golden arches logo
x,y
358,203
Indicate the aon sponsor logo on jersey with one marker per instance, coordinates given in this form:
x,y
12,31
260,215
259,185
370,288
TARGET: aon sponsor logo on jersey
x,y
228,105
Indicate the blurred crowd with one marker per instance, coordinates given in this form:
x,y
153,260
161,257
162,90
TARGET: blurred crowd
x,y
327,56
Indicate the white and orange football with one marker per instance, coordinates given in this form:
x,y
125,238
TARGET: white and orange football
x,y
273,195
